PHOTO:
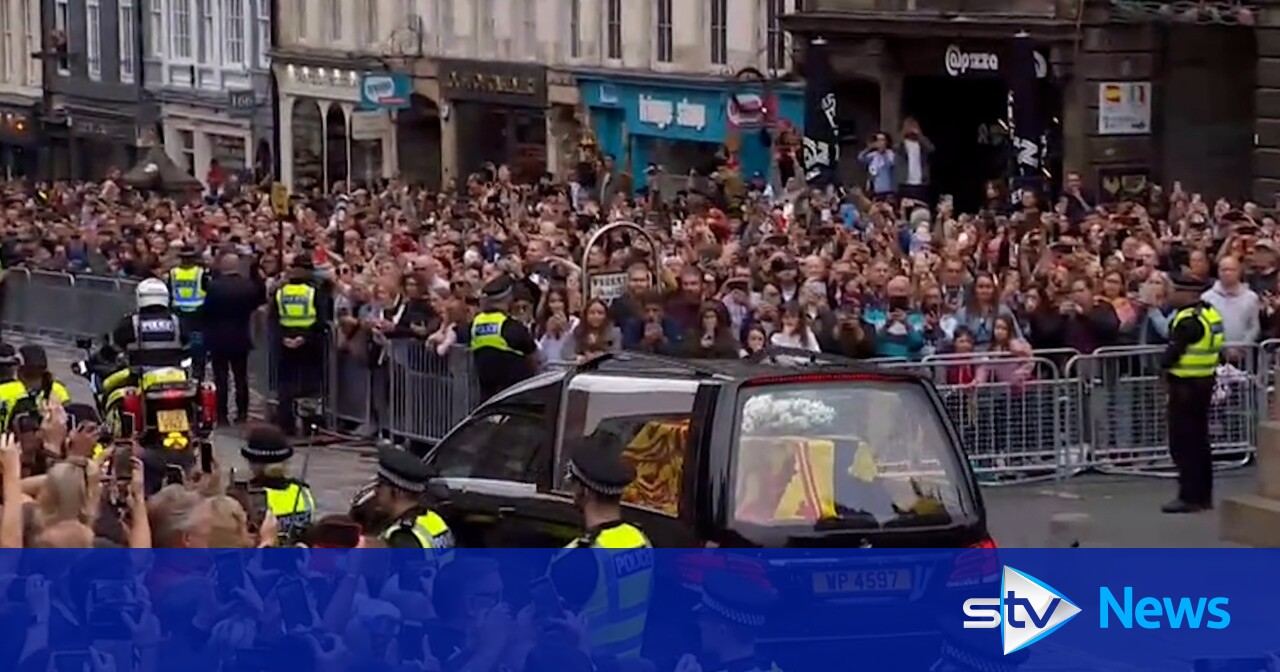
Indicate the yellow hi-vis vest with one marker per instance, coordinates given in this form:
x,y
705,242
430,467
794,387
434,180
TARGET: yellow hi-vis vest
x,y
186,287
617,610
433,536
486,332
293,508
1201,358
296,305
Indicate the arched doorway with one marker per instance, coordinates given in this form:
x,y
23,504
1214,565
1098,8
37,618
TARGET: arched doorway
x,y
418,142
335,125
308,143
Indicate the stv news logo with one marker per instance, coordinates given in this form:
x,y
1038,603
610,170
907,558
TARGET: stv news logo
x,y
1027,611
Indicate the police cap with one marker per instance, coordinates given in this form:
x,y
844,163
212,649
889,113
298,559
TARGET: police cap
x,y
597,464
402,469
736,599
266,445
1185,283
188,251
499,288
33,357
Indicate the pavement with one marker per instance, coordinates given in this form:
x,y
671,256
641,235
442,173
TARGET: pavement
x,y
1123,511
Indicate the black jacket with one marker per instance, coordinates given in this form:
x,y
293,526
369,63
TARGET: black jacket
x,y
228,311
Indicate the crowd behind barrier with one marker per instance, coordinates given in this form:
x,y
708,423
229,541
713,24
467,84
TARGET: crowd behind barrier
x,y
1050,416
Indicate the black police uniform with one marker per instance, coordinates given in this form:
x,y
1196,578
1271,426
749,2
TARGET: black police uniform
x,y
300,370
738,602
418,526
1189,404
290,500
151,337
503,358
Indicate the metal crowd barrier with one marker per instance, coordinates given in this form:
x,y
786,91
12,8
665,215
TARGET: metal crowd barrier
x,y
1046,417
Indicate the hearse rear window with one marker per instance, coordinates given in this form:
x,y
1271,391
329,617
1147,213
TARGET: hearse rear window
x,y
849,454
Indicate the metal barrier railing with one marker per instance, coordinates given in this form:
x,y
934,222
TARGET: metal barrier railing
x,y
1049,416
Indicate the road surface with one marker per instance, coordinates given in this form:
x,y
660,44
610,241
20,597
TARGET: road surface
x,y
1123,511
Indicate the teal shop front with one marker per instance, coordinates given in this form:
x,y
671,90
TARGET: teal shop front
x,y
680,127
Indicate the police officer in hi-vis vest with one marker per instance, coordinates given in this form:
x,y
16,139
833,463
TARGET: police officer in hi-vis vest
x,y
301,314
188,285
267,451
502,349
731,616
1196,339
614,581
402,481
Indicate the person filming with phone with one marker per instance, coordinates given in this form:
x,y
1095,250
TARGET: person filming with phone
x,y
271,489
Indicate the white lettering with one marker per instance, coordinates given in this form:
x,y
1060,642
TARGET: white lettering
x,y
691,115
657,112
958,62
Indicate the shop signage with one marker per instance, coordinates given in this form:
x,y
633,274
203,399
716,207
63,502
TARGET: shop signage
x,y
369,125
103,128
242,101
385,91
500,83
1124,108
664,113
959,62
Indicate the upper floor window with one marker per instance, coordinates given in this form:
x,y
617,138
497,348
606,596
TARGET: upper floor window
x,y
6,46
575,28
446,25
60,23
208,31
262,17
300,11
719,31
31,27
180,30
663,32
126,36
334,19
775,40
371,35
486,24
613,29
528,29
155,28
93,38
233,33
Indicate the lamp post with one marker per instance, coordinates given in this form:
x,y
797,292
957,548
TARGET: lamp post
x,y
53,48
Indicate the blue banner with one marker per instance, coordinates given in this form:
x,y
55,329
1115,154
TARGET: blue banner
x,y
385,91
820,609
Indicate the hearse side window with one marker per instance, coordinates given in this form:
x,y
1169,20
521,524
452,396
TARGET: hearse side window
x,y
497,446
651,416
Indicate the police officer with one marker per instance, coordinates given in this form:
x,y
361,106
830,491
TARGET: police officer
x,y
1196,339
301,313
152,336
502,349
34,385
613,586
267,451
732,613
402,481
188,286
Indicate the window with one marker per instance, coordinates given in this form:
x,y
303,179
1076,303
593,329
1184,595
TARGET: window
x,y
334,19
233,42
60,23
371,35
613,29
262,15
775,41
719,31
187,147
127,48
486,25
93,38
180,30
499,447
6,44
155,30
575,28
31,26
650,419
448,24
529,29
208,28
664,31
300,10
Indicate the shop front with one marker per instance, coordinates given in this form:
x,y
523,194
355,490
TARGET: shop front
x,y
328,133
498,113
232,137
95,143
19,141
682,128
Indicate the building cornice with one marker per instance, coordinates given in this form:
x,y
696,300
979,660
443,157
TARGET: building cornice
x,y
325,58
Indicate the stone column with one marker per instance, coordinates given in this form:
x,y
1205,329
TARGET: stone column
x,y
285,150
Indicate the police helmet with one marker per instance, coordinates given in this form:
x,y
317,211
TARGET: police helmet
x,y
152,293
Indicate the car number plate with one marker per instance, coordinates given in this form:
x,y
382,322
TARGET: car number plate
x,y
862,581
173,421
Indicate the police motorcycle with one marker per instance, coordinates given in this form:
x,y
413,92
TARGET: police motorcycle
x,y
165,410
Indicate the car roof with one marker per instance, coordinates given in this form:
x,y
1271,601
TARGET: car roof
x,y
771,362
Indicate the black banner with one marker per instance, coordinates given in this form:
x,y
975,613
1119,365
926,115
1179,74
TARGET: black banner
x,y
821,130
1025,118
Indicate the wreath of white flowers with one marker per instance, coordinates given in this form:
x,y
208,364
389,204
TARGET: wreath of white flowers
x,y
765,413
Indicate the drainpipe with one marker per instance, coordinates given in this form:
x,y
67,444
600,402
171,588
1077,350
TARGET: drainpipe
x,y
274,7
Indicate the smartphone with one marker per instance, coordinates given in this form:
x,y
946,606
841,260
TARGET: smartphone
x,y
174,475
122,464
228,573
545,599
126,426
257,507
206,457
70,661
295,608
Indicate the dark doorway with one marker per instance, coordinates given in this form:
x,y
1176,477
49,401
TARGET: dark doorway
x,y
965,120
418,140
336,147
